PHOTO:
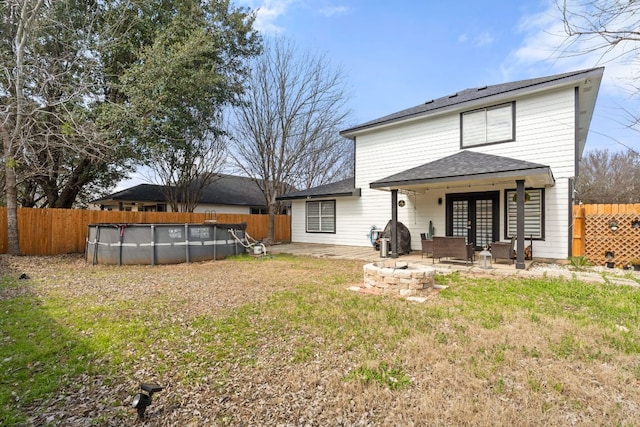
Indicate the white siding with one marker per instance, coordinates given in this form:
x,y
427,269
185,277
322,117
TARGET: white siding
x,y
544,134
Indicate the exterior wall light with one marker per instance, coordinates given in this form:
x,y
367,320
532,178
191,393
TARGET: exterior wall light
x,y
613,226
141,400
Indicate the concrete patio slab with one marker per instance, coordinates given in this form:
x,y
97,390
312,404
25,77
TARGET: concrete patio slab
x,y
499,269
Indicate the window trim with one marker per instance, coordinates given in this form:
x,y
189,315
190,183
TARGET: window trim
x,y
306,216
512,104
508,193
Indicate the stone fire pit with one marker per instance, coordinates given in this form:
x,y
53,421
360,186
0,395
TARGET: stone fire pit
x,y
398,278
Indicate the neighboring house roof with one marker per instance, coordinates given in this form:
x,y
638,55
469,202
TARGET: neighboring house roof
x,y
466,166
469,98
343,188
225,190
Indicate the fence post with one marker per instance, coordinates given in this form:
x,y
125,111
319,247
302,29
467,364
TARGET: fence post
x,y
578,231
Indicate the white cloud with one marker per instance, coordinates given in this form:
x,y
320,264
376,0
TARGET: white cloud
x,y
334,10
546,48
268,13
483,38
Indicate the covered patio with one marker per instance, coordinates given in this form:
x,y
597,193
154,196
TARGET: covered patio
x,y
369,254
532,269
469,170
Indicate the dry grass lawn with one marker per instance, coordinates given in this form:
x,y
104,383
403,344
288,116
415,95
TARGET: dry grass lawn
x,y
282,342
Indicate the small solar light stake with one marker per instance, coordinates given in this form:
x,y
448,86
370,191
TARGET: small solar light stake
x,y
141,400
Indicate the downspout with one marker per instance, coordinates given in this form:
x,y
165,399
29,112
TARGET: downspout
x,y
576,167
570,215
394,223
520,224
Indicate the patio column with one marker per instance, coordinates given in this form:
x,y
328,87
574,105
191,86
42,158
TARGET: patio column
x,y
520,224
394,223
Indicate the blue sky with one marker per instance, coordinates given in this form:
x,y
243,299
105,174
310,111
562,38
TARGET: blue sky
x,y
398,54
401,53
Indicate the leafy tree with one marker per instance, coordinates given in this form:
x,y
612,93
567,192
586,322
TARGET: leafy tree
x,y
89,87
286,128
607,177
188,69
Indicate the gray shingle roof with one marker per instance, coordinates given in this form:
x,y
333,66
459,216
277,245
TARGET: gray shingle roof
x,y
464,165
226,190
343,188
476,96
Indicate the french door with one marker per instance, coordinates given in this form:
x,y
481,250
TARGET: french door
x,y
474,216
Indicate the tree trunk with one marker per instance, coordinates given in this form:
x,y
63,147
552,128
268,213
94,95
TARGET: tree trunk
x,y
272,223
11,194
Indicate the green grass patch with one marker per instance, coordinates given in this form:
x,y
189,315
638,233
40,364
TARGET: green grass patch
x,y
392,377
497,333
37,356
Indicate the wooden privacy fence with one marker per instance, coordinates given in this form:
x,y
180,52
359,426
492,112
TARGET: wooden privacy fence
x,y
62,231
599,229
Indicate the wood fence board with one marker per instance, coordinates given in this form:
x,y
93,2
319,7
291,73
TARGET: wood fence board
x,y
61,231
596,237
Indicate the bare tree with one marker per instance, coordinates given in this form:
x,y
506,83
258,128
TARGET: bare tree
x,y
286,128
49,79
610,28
603,24
609,177
185,171
22,15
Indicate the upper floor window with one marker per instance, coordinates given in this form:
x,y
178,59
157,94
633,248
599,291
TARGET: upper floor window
x,y
488,125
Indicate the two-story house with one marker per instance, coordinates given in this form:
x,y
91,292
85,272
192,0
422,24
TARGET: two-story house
x,y
486,163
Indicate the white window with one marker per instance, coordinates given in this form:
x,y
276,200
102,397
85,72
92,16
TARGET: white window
x,y
321,216
533,213
488,125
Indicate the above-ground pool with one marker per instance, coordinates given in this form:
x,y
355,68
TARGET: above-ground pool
x,y
163,243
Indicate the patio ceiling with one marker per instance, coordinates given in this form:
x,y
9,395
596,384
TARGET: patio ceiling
x,y
466,169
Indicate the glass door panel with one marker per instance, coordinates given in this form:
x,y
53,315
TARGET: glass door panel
x,y
484,222
460,218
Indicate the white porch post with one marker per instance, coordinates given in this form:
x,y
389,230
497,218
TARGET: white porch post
x,y
520,224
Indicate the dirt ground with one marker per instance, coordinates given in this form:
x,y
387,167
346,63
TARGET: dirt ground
x,y
275,390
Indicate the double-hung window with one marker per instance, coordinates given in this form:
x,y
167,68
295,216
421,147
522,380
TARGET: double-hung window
x,y
488,125
321,216
533,213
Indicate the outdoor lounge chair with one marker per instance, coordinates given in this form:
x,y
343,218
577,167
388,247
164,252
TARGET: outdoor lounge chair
x,y
427,245
504,250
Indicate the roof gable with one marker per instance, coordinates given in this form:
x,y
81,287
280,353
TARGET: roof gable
x,y
469,98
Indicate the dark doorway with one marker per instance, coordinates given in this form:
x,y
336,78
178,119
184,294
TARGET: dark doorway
x,y
475,216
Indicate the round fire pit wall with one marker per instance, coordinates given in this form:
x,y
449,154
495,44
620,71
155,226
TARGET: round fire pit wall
x,y
398,278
